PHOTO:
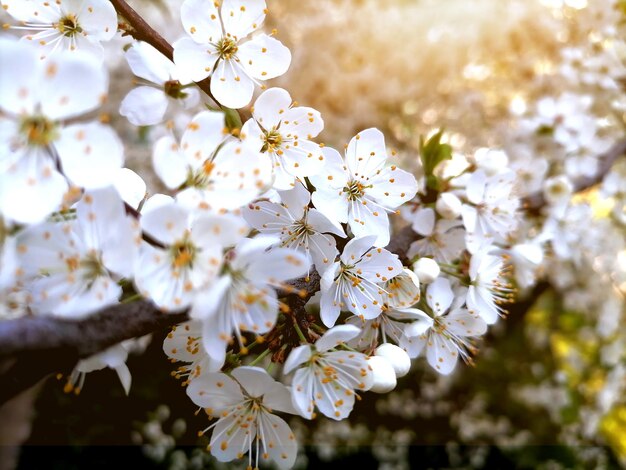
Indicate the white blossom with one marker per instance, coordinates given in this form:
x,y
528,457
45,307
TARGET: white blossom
x,y
361,189
217,47
72,268
298,226
244,299
34,143
64,25
147,104
447,334
245,402
353,282
326,378
284,133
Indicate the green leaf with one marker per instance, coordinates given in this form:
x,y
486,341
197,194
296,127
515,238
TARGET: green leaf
x,y
432,153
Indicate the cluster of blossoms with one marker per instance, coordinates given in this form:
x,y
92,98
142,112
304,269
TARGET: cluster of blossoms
x,y
257,214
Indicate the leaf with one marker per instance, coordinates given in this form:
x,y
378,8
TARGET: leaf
x,y
433,152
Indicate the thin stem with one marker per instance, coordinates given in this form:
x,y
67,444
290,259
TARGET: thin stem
x,y
299,331
260,357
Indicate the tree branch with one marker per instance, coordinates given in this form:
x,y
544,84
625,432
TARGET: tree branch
x,y
142,31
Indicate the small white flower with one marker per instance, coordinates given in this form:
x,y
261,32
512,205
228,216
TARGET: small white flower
x,y
36,97
403,290
114,358
327,378
189,257
147,104
244,298
490,215
245,402
527,259
447,334
362,189
284,133
217,47
443,240
488,289
71,268
64,25
212,176
353,283
298,226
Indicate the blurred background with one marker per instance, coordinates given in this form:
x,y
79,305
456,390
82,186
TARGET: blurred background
x,y
547,388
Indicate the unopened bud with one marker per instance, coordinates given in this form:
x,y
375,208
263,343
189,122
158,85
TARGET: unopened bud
x,y
448,206
427,270
397,357
384,375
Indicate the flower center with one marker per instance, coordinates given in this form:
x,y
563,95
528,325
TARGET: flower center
x,y
200,178
183,254
355,190
174,89
273,140
38,130
226,48
68,26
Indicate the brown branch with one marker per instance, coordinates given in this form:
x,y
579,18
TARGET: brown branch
x,y
142,31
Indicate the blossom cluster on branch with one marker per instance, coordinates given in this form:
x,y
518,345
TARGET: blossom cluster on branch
x,y
252,206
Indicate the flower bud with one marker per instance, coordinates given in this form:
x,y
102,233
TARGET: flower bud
x,y
397,357
384,375
448,206
427,270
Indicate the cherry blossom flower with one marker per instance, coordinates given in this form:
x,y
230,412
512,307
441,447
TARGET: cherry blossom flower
x,y
362,189
245,402
71,268
244,299
354,282
212,176
447,334
147,104
444,240
284,133
327,378
217,47
403,290
488,289
490,214
298,226
36,97
189,257
64,25
184,344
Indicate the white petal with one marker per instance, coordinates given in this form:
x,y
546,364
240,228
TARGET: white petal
x,y
270,107
241,17
144,106
124,375
284,448
91,154
201,20
130,186
230,85
335,336
215,391
18,60
392,187
356,248
203,135
99,20
195,61
366,153
166,223
254,380
264,57
369,219
303,122
424,221
278,264
476,187
72,84
169,162
297,357
442,355
439,295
